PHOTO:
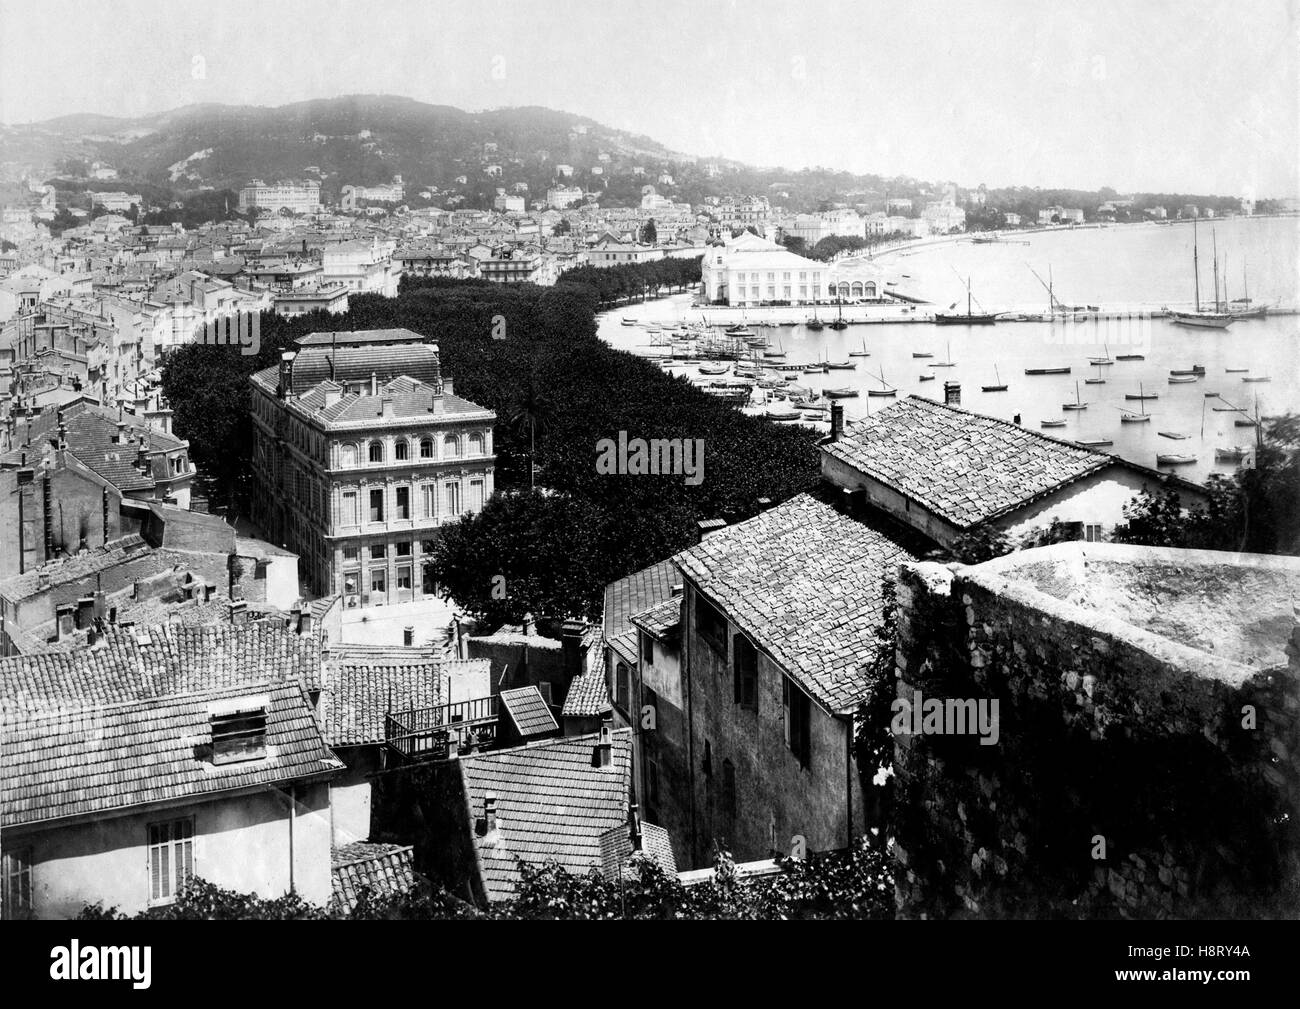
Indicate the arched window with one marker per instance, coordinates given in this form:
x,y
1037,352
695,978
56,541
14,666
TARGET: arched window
x,y
857,290
451,446
376,451
476,444
426,448
347,455
401,450
871,289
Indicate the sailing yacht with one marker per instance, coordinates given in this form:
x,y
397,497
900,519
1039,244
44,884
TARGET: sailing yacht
x,y
1198,318
969,319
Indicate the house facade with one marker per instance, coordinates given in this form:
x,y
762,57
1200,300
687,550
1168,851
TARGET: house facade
x,y
361,453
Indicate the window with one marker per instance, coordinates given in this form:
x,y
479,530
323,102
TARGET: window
x,y
1092,533
347,455
729,788
378,551
647,648
348,516
622,685
450,446
404,548
376,451
476,496
453,499
403,502
377,582
350,555
16,897
430,500
426,448
402,450
376,506
476,444
404,578
745,666
711,625
798,720
238,730
171,858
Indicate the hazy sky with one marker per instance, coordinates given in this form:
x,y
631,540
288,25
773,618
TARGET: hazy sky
x,y
1137,94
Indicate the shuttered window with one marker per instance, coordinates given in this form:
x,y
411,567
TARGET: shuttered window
x,y
16,899
171,858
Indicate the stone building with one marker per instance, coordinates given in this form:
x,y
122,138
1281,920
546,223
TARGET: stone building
x,y
778,622
1146,761
361,453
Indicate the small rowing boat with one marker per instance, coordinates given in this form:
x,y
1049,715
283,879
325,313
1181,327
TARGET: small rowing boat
x,y
1047,371
843,393
1181,379
1235,454
1175,459
1053,423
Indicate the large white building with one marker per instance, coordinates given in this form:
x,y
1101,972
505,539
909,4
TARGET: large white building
x,y
361,267
352,197
298,197
748,270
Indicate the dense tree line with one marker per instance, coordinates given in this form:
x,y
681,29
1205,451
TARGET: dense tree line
x,y
853,884
557,391
634,281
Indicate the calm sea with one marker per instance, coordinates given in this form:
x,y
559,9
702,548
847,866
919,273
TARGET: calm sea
x,y
1118,268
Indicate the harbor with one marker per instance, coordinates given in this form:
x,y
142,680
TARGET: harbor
x,y
1127,355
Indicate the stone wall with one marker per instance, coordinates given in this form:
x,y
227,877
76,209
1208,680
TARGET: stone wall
x,y
1133,776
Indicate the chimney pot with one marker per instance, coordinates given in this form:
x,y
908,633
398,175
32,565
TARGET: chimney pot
x,y
604,753
837,421
408,636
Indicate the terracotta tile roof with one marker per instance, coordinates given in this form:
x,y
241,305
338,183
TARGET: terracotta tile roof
x,y
552,805
635,593
804,583
384,868
529,711
361,682
588,691
174,659
963,466
97,758
616,850
661,619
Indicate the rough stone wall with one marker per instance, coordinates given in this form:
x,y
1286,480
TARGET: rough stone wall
x,y
1129,779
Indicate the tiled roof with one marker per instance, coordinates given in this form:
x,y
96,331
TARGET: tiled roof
x,y
661,619
93,759
384,868
176,659
361,336
635,593
963,466
357,363
804,582
362,683
529,711
588,691
552,805
616,850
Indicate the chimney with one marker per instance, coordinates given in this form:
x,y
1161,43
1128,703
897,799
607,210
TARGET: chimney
x,y
677,590
436,404
488,824
374,384
408,636
239,611
142,459
1016,420
837,421
764,503
447,388
85,612
571,647
707,527
286,374
332,396
386,407
66,614
530,625
99,604
304,618
603,754
952,393
634,815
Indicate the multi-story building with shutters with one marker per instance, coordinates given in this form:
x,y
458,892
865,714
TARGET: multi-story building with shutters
x,y
362,452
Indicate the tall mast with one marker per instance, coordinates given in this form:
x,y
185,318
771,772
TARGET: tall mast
x,y
1214,238
1196,266
968,297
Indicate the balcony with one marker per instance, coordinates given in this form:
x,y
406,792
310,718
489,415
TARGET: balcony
x,y
441,732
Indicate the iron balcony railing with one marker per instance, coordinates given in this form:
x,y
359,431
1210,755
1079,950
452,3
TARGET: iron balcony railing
x,y
440,732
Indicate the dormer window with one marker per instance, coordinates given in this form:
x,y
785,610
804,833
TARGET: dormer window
x,y
238,729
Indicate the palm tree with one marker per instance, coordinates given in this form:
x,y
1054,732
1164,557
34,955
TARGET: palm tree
x,y
530,410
